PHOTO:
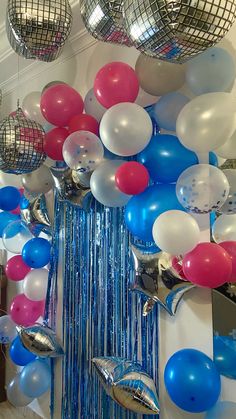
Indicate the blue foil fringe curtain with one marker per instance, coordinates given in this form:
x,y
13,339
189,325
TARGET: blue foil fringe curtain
x,y
101,315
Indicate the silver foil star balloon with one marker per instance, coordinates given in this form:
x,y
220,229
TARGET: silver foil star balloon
x,y
159,279
40,340
38,29
35,215
177,30
128,384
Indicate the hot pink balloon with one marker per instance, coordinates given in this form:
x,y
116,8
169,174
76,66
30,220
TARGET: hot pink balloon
x,y
230,247
16,269
25,312
59,103
207,265
17,211
116,82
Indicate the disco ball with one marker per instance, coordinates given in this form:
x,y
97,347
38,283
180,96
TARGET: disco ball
x,y
38,29
104,20
177,30
21,144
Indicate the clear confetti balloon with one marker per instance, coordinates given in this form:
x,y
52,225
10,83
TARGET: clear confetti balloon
x,y
202,188
83,151
15,236
15,396
229,206
93,107
7,329
224,228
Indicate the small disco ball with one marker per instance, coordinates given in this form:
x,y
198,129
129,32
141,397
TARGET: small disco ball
x,y
177,30
104,20
38,29
21,144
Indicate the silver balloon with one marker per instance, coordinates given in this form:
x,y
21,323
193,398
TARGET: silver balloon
x,y
35,215
128,384
21,144
38,29
39,181
176,31
41,341
157,277
104,20
14,394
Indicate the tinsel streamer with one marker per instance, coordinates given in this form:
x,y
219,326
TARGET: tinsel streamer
x,y
101,315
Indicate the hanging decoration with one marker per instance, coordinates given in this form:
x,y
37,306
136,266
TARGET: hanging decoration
x,y
35,214
38,29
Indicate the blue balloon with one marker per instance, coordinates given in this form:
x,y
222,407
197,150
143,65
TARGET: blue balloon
x,y
5,219
166,158
35,378
19,355
213,159
9,198
225,355
167,109
36,252
211,71
192,380
143,209
222,410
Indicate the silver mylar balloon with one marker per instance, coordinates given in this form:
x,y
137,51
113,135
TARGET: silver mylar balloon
x,y
176,31
159,280
38,29
40,340
128,384
104,20
36,215
21,144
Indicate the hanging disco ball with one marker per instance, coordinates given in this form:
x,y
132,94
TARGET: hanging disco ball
x,y
38,29
177,30
104,20
21,144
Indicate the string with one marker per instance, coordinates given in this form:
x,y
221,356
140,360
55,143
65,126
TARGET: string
x,y
18,81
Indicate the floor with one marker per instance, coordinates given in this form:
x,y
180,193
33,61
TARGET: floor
x,y
9,412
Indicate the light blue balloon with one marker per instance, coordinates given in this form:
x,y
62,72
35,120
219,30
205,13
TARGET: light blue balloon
x,y
225,356
222,410
211,71
35,378
167,109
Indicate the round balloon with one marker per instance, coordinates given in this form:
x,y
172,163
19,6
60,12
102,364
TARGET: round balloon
x,y
211,71
38,181
19,354
143,209
103,185
36,252
144,99
202,188
15,236
16,269
52,83
192,380
224,355
9,198
166,158
132,178
14,394
53,143
126,129
6,218
167,109
168,232
6,179
229,206
35,378
207,265
83,151
31,107
59,103
230,248
222,410
7,329
114,83
84,122
206,122
158,77
25,312
224,228
93,107
35,284
228,149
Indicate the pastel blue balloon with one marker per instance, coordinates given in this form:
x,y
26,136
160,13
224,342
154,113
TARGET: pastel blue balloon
x,y
167,109
36,252
211,71
9,198
222,410
225,356
35,378
143,209
5,219
192,381
166,158
19,355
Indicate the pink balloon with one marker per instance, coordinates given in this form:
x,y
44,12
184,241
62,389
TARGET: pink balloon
x,y
16,269
59,103
116,82
230,247
25,312
17,210
207,265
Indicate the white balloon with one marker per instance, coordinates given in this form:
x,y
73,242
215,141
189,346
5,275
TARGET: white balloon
x,y
224,228
7,179
93,107
229,206
207,122
35,284
31,107
176,232
126,129
103,186
14,394
228,149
